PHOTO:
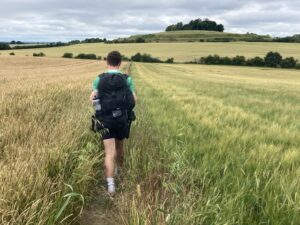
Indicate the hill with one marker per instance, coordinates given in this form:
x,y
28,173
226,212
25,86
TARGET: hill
x,y
195,36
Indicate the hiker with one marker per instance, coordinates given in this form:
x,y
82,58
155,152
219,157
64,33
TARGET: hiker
x,y
113,98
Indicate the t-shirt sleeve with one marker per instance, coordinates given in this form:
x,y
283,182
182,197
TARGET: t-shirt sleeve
x,y
131,84
95,84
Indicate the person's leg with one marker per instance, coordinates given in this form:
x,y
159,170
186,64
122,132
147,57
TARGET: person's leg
x,y
109,162
120,152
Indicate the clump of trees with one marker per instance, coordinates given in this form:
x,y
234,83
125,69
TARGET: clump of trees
x,y
17,43
256,61
197,24
272,59
12,53
91,40
138,57
86,56
140,40
289,62
127,40
82,56
68,55
41,54
170,60
293,39
125,58
4,46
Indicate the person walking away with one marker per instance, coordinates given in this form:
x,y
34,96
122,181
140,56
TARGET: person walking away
x,y
114,94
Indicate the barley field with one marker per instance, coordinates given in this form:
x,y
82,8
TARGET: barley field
x,y
181,52
211,145
222,148
47,153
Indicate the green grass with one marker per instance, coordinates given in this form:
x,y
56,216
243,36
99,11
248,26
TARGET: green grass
x,y
219,145
180,51
196,36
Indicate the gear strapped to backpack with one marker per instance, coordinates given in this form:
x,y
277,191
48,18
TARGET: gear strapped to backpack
x,y
116,100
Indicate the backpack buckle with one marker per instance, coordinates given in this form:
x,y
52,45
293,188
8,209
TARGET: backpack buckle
x,y
117,113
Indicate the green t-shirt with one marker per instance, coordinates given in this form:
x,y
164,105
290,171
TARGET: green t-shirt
x,y
129,81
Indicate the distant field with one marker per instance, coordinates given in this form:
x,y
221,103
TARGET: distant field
x,y
180,51
196,35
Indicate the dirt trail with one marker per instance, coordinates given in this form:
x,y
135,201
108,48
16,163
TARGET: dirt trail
x,y
100,211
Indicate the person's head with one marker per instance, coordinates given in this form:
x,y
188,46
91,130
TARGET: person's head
x,y
114,59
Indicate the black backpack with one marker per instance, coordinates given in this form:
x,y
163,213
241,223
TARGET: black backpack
x,y
116,99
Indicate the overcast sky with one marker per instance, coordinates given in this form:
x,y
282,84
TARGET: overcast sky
x,y
54,20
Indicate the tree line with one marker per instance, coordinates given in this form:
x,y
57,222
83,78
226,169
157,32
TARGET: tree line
x,y
17,43
6,46
291,39
272,59
197,24
138,57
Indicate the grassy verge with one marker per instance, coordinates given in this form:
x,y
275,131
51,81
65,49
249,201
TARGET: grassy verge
x,y
214,149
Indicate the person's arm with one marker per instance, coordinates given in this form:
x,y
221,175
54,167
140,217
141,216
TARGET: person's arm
x,y
95,88
135,97
132,88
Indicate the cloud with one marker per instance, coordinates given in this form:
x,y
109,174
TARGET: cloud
x,y
53,20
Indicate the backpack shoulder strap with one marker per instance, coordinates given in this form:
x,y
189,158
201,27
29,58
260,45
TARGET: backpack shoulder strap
x,y
102,75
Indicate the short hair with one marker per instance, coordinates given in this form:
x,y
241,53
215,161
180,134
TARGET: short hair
x,y
114,58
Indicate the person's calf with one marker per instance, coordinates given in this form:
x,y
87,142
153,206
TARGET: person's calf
x,y
120,152
109,162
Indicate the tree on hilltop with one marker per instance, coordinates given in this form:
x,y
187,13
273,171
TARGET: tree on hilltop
x,y
197,24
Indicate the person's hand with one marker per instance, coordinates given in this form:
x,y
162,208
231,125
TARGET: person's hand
x,y
93,95
135,97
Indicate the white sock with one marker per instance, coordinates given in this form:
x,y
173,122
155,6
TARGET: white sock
x,y
110,185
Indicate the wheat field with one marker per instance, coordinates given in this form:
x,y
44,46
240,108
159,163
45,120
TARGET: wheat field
x,y
211,145
181,52
47,153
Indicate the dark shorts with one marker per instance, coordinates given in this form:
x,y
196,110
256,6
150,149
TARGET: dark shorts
x,y
118,132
